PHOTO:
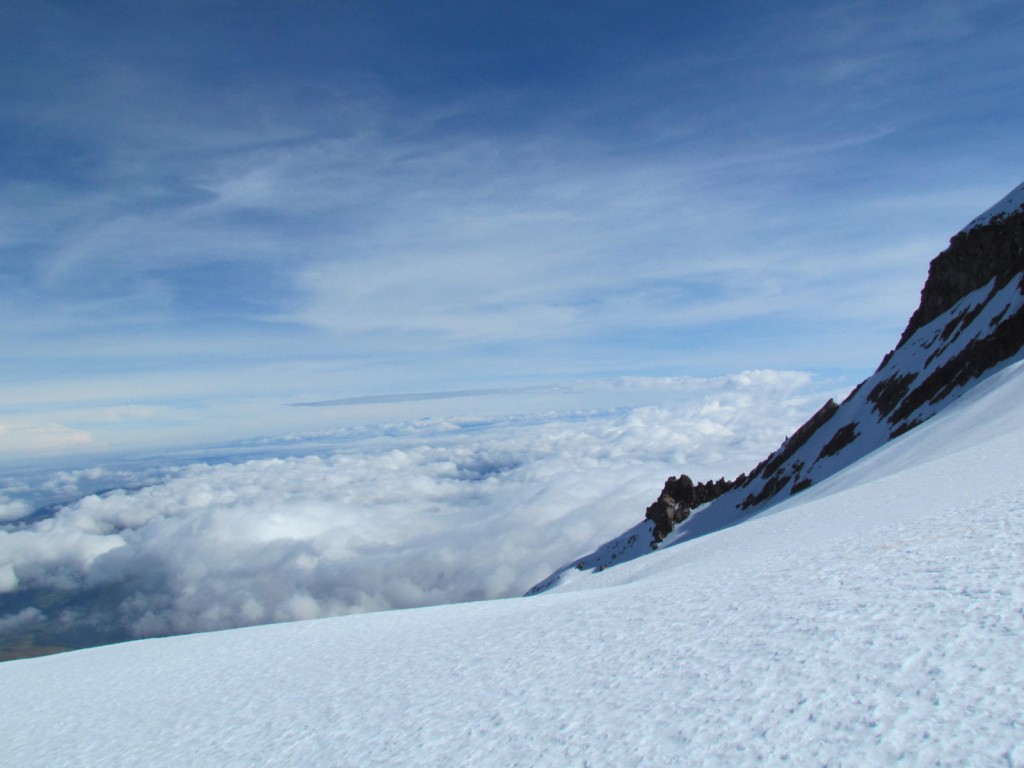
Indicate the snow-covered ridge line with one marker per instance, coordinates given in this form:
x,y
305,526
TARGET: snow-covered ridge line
x,y
969,324
1009,205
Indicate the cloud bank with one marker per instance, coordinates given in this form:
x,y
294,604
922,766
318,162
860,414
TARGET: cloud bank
x,y
450,511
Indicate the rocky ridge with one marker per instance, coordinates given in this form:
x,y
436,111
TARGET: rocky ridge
x,y
969,324
679,497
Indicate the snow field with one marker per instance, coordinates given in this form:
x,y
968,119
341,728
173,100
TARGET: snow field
x,y
880,622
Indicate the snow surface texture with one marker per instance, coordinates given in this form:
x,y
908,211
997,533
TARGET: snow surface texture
x,y
1009,205
428,514
876,619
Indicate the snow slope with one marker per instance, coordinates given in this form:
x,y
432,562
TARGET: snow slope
x,y
876,619
968,326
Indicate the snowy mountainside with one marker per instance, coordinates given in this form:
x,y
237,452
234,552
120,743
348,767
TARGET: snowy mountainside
x,y
969,324
875,619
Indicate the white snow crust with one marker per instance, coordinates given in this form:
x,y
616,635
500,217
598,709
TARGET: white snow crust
x,y
1012,203
876,619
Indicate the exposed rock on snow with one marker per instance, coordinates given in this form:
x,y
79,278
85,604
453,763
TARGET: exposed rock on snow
x,y
774,468
678,499
842,438
1009,205
975,257
968,325
875,620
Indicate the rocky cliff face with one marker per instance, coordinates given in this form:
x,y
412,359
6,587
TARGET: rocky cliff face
x,y
975,257
970,323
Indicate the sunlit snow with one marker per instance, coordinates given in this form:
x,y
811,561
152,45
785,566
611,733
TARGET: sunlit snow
x,y
876,619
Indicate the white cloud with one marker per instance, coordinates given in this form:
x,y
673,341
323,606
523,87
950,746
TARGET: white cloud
x,y
12,509
8,579
451,510
27,438
16,621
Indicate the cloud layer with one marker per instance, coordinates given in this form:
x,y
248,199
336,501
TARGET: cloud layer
x,y
443,511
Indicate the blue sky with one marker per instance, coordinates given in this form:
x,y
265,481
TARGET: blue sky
x,y
210,210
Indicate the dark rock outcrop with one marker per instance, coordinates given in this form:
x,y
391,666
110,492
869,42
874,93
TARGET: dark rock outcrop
x,y
972,260
679,497
774,470
774,462
988,254
842,438
888,393
977,357
972,317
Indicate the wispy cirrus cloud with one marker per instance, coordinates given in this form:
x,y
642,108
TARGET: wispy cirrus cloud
x,y
339,200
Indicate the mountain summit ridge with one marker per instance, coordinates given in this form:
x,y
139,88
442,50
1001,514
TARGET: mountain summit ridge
x,y
1009,205
969,324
